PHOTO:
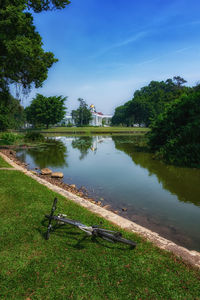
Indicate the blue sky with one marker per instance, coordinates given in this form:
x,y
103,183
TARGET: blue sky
x,y
107,49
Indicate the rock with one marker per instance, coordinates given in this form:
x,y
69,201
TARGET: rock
x,y
33,172
46,171
106,206
57,175
36,168
124,209
73,186
82,188
98,203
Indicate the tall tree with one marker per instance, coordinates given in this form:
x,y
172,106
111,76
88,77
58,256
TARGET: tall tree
x,y
175,134
23,61
82,116
11,113
150,101
46,110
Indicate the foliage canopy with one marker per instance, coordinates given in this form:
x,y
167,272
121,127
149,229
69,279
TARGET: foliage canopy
x,y
46,110
23,61
175,134
82,116
148,102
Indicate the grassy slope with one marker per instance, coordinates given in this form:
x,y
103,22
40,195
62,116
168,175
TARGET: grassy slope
x,y
69,265
4,164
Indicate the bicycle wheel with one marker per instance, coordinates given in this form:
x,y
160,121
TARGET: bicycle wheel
x,y
115,237
47,235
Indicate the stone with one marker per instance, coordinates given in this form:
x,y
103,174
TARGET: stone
x,y
33,172
98,203
124,209
73,186
57,175
106,206
46,171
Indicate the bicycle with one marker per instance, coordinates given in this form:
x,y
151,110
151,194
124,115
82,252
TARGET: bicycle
x,y
95,231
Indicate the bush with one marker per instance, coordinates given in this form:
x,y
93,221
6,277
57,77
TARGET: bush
x,y
9,138
69,125
175,135
34,137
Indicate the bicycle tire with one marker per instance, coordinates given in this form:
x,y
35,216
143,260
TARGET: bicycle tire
x,y
115,238
47,234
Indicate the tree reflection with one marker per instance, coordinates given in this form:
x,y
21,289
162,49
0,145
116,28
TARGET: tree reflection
x,y
83,144
51,154
182,182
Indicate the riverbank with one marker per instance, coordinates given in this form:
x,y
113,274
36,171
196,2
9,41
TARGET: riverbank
x,y
95,130
141,227
94,270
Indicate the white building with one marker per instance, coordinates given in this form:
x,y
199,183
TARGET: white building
x,y
98,119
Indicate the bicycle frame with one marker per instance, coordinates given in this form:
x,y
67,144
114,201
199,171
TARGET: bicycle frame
x,y
111,236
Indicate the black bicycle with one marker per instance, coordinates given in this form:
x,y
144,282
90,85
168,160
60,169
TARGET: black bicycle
x,y
95,231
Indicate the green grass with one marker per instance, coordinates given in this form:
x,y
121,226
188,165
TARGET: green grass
x,y
71,266
4,164
90,130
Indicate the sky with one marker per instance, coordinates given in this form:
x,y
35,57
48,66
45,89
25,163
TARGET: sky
x,y
108,49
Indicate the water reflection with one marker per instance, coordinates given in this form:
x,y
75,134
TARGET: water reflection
x,y
157,196
182,182
86,143
51,154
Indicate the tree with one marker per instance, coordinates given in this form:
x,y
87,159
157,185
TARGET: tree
x,y
148,102
46,110
82,116
40,5
175,134
11,113
120,115
179,81
22,58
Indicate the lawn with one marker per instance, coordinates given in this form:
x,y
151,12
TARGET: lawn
x,y
72,266
4,164
90,130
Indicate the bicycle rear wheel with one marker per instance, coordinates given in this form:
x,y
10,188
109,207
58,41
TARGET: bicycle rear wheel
x,y
115,237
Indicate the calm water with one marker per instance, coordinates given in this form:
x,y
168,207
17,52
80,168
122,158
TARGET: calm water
x,y
163,198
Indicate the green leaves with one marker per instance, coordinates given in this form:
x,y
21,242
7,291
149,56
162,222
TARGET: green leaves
x,y
149,102
82,115
46,110
175,135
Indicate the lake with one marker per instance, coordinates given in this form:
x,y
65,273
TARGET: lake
x,y
163,198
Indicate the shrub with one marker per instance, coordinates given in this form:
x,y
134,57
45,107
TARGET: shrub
x,y
175,135
69,125
9,138
34,137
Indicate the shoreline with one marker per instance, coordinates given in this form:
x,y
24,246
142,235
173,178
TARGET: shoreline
x,y
190,256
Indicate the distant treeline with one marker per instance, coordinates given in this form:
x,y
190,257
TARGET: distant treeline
x,y
148,102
